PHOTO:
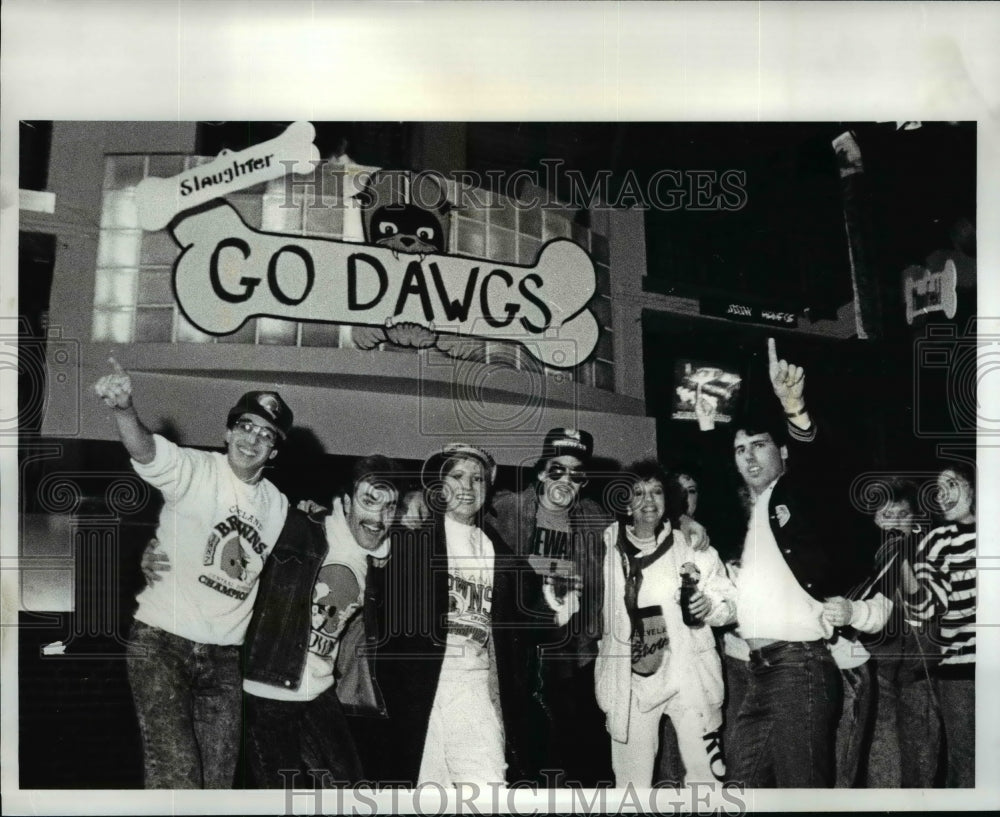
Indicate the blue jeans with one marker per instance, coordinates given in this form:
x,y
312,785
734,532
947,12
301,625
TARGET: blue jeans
x,y
854,727
784,732
311,737
736,674
958,713
906,740
187,700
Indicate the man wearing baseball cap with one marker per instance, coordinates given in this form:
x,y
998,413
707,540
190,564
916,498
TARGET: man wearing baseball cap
x,y
560,532
219,522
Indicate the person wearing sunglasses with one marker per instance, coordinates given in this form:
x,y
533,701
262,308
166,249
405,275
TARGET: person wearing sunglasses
x,y
220,520
559,530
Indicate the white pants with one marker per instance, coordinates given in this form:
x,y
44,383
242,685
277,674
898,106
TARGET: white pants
x,y
633,760
465,740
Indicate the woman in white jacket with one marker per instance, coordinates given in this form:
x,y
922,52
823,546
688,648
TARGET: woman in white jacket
x,y
650,663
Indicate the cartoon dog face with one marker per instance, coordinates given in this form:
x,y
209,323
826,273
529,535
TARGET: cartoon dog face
x,y
407,228
406,212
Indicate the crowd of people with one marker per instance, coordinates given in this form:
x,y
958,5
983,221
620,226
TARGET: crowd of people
x,y
454,634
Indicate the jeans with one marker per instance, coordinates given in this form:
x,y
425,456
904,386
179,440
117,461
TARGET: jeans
x,y
187,701
906,738
736,674
784,733
854,727
310,737
958,713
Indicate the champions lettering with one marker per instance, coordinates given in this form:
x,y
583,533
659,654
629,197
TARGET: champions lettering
x,y
228,273
225,176
226,591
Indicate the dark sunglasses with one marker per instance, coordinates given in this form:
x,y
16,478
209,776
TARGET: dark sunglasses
x,y
557,472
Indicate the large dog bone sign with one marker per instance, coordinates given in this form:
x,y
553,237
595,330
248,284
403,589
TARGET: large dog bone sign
x,y
159,199
228,272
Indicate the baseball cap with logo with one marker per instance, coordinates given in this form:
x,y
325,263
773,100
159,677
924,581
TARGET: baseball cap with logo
x,y
572,441
267,405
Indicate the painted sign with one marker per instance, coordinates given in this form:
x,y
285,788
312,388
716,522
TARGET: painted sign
x,y
160,199
746,312
229,272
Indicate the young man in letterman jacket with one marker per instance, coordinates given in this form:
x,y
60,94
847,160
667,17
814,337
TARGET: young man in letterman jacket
x,y
797,552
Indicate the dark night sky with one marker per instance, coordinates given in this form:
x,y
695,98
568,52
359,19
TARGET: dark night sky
x,y
785,244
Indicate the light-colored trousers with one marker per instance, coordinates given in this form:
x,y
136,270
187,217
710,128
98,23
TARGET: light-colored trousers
x,y
633,761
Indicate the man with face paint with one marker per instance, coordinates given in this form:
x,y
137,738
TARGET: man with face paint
x,y
302,661
305,665
220,520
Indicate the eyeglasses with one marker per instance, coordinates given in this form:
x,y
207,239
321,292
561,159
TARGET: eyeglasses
x,y
255,430
557,472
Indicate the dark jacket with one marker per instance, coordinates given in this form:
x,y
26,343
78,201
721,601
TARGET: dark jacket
x,y
277,638
412,627
514,519
811,516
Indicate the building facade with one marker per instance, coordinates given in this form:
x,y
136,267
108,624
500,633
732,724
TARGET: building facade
x,y
112,295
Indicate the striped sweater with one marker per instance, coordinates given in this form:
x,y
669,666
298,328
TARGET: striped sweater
x,y
945,568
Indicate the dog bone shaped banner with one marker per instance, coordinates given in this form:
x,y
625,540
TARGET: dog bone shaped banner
x,y
159,199
228,272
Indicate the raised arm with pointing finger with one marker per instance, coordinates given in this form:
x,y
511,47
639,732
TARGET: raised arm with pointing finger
x,y
219,522
797,553
788,382
116,391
